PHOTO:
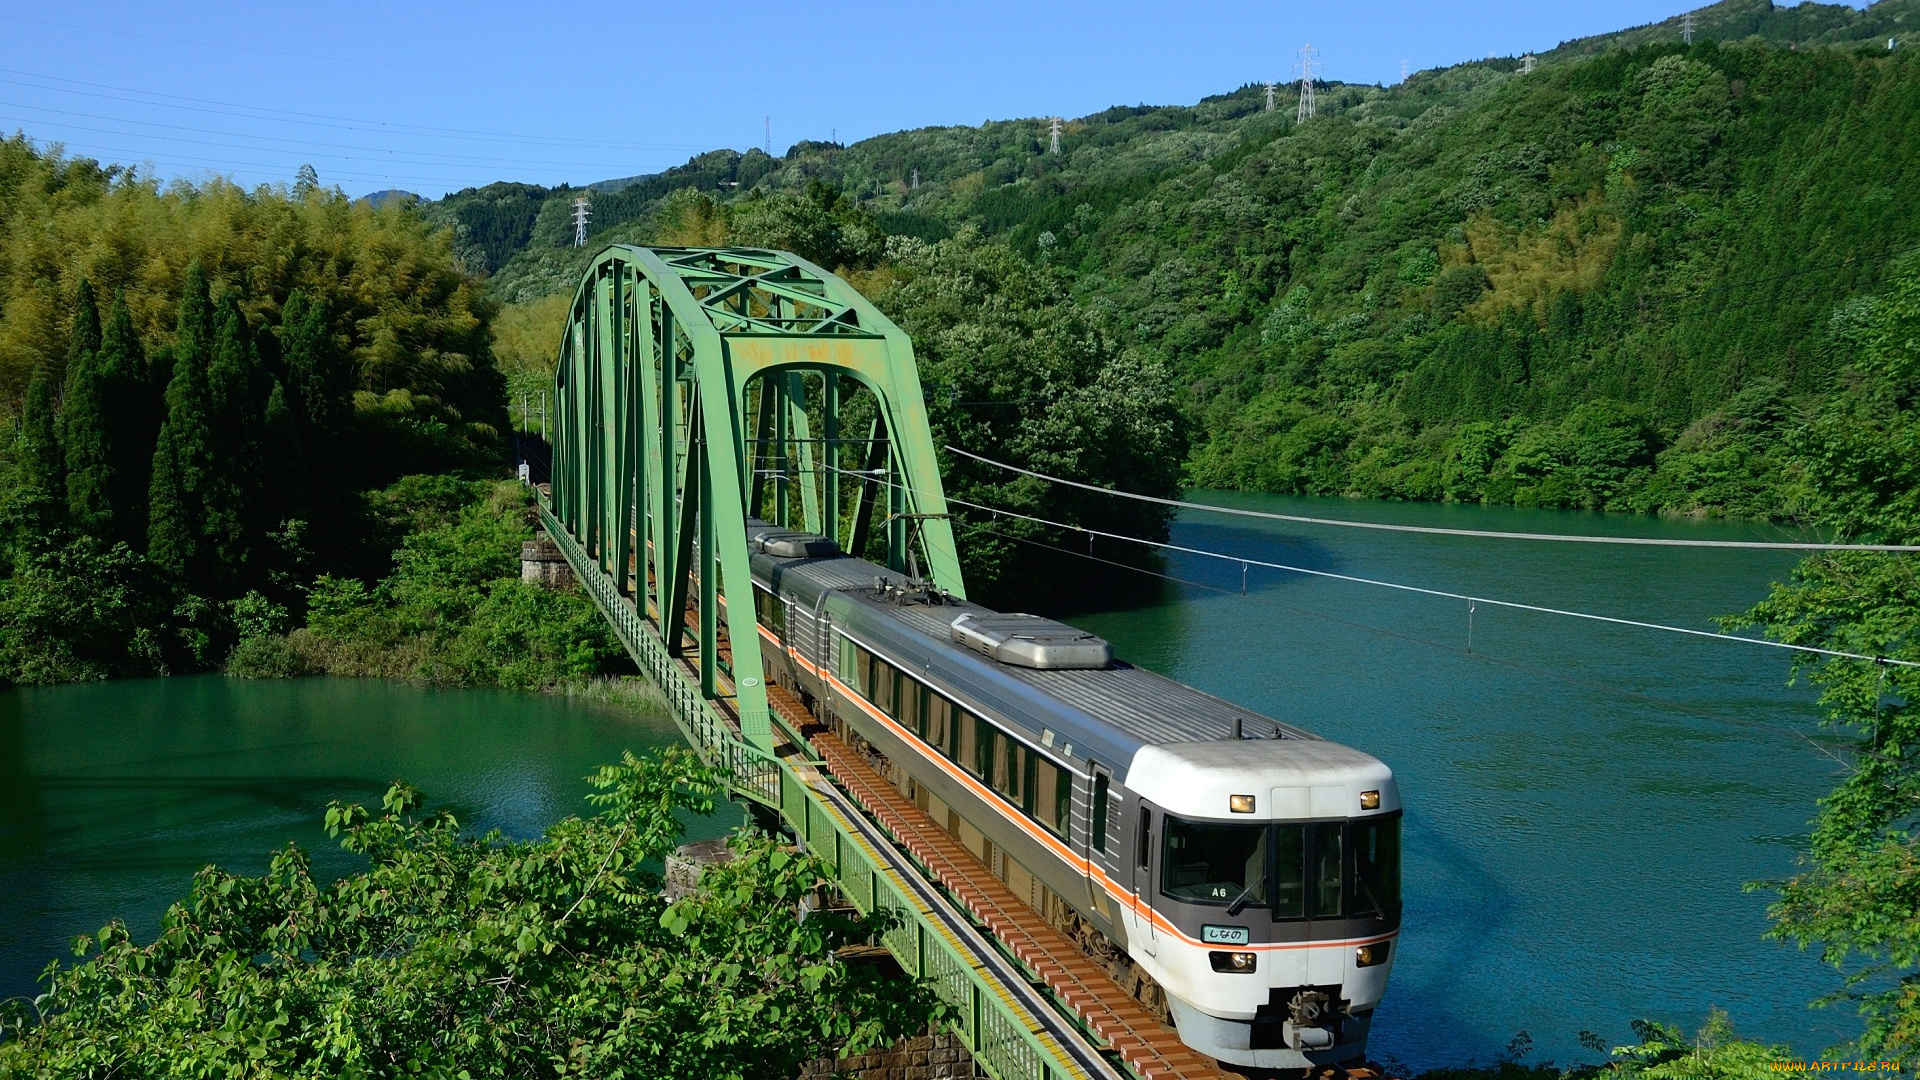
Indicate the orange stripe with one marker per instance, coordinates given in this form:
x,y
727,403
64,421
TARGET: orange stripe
x,y
1120,894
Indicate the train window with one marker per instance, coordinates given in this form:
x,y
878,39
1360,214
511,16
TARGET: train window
x,y
1099,825
1376,866
1050,788
967,744
863,672
770,610
884,681
1327,869
849,663
1290,872
956,724
983,739
1008,768
1206,863
938,715
913,697
1143,851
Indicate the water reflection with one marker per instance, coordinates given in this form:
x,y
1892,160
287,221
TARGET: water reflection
x,y
112,795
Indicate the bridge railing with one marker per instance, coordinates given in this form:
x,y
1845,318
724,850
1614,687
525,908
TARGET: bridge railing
x,y
1003,1036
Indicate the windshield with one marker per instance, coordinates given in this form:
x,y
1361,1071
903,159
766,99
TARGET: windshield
x,y
1319,870
1215,864
1376,866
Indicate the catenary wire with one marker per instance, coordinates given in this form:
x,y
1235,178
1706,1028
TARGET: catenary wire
x,y
1481,656
299,146
1484,534
343,123
1421,590
139,157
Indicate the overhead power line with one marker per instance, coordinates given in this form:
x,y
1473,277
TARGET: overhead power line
x,y
157,99
1484,534
1470,599
299,147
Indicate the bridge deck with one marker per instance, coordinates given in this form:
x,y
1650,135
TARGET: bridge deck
x,y
1151,1049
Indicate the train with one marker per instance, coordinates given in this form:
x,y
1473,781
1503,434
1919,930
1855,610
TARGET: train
x,y
1246,869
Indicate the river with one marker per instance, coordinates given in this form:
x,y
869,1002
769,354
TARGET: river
x,y
113,794
1584,801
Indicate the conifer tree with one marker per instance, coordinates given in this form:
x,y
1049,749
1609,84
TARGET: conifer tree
x,y
232,480
319,392
84,423
121,366
283,466
39,495
182,455
84,339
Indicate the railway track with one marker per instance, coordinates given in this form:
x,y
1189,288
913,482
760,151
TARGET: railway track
x,y
1150,1050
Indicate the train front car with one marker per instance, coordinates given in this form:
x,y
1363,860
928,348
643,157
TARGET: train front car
x,y
1274,870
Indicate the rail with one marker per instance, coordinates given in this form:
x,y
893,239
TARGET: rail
x,y
1005,1022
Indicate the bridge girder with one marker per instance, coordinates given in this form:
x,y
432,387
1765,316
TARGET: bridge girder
x,y
670,357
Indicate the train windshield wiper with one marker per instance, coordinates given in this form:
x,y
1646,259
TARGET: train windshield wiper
x,y
1240,902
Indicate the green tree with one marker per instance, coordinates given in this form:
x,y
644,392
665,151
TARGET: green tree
x,y
126,400
234,483
454,955
85,424
1018,373
36,505
319,385
1857,898
83,340
182,459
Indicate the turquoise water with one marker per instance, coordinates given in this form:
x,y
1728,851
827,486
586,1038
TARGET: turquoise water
x,y
1584,801
113,794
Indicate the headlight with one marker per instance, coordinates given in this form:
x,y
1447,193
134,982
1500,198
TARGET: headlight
x,y
1240,804
1369,955
1234,963
1369,800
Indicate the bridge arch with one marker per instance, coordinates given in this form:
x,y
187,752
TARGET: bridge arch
x,y
688,387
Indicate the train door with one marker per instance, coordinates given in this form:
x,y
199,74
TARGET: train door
x,y
1142,859
1094,845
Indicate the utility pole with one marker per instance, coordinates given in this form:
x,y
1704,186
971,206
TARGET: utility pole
x,y
1306,66
1526,64
1686,28
1053,133
1270,97
580,215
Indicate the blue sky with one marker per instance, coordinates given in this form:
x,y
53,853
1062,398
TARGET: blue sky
x,y
419,97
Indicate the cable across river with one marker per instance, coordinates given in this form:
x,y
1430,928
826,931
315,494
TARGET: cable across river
x,y
1564,538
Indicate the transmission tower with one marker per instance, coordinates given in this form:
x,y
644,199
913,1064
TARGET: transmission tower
x,y
1686,28
1270,88
769,144
1053,136
915,186
1403,71
1306,66
1526,64
580,214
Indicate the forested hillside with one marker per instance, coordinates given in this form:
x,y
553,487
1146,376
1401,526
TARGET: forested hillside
x,y
203,382
1613,281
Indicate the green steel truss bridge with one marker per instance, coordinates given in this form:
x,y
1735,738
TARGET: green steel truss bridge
x,y
689,386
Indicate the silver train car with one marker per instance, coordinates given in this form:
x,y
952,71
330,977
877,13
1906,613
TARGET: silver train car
x,y
1248,868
